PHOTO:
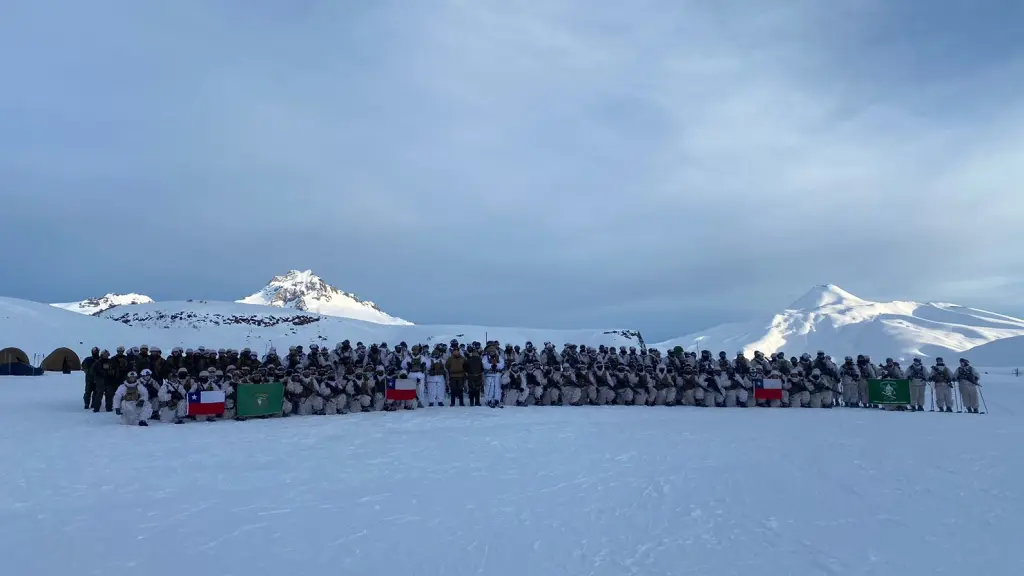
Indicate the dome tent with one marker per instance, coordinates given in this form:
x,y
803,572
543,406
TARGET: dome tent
x,y
55,361
14,362
13,355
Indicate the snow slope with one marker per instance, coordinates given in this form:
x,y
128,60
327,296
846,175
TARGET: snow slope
x,y
97,305
829,318
522,491
1005,352
40,328
307,292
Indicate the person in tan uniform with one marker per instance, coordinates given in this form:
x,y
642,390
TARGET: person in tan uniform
x,y
456,367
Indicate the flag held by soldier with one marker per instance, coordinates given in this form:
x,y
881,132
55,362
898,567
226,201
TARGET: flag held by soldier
x,y
885,392
401,389
263,399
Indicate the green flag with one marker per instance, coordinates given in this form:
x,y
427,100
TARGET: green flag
x,y
889,392
259,399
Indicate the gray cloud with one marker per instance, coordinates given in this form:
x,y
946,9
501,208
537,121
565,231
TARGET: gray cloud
x,y
660,164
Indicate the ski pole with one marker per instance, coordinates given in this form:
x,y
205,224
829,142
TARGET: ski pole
x,y
982,395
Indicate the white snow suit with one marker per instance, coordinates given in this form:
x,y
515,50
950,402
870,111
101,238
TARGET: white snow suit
x,y
416,366
229,388
513,382
967,377
799,397
313,400
173,399
133,400
736,391
492,380
917,376
360,393
535,382
850,376
942,380
436,382
867,372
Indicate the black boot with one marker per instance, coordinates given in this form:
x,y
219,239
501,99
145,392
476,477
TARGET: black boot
x,y
143,423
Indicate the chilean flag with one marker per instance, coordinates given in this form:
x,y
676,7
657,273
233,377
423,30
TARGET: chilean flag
x,y
401,389
768,389
205,403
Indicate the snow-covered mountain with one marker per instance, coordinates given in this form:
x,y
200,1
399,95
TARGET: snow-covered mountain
x,y
307,292
826,318
831,319
93,306
1004,352
39,328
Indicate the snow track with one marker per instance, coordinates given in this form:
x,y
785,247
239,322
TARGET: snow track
x,y
534,491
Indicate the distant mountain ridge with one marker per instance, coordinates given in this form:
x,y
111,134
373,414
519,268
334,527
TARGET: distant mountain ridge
x,y
93,306
307,292
831,319
40,328
299,304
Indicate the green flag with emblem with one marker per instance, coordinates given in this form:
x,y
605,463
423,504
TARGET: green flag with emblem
x,y
889,392
264,399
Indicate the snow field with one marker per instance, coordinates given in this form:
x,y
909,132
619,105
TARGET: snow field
x,y
520,491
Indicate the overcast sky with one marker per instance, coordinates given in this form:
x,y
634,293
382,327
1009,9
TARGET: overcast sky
x,y
661,164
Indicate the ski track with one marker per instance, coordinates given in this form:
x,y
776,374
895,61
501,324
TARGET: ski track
x,y
541,490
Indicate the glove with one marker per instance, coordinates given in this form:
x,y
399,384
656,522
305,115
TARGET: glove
x,y
117,411
140,403
175,395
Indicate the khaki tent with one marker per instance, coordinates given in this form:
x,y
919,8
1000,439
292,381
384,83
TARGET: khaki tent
x,y
55,361
13,356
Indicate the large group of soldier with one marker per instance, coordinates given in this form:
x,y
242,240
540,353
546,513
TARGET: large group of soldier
x,y
320,380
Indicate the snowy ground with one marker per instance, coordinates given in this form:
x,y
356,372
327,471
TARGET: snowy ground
x,y
537,491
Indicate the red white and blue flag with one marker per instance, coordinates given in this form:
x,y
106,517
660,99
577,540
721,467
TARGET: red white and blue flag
x,y
205,403
768,389
401,389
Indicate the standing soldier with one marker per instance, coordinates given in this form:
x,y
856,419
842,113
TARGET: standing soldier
x,y
917,378
942,385
967,377
124,366
158,367
105,374
456,367
850,377
435,379
415,365
474,375
493,368
90,382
